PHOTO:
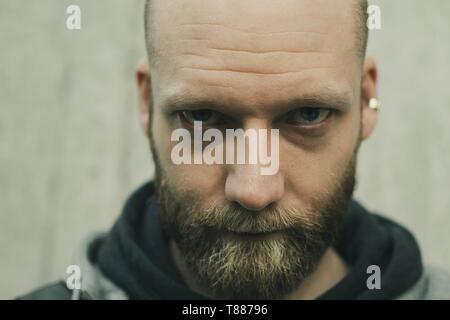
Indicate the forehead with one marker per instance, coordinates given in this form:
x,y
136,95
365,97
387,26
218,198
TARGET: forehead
x,y
258,51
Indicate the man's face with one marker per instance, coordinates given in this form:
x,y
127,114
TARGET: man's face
x,y
291,65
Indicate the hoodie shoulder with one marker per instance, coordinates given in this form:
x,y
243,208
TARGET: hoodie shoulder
x,y
53,291
438,284
433,285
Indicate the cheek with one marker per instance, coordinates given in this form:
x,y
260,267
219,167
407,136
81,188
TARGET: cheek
x,y
311,173
208,181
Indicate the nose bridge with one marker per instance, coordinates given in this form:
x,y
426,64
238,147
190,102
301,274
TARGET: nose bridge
x,y
256,123
257,143
246,184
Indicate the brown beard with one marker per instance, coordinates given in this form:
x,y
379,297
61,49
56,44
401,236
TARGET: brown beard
x,y
242,268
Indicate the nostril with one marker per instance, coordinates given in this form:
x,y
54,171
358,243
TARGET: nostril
x,y
253,205
246,187
254,198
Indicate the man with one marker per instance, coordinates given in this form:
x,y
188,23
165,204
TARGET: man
x,y
224,230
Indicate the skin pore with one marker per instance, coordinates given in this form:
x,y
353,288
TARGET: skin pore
x,y
258,64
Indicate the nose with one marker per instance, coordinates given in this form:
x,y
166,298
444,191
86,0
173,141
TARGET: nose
x,y
246,186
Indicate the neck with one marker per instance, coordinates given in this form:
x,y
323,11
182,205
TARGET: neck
x,y
330,270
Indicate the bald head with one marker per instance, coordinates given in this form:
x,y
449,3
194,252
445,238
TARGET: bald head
x,y
360,14
290,65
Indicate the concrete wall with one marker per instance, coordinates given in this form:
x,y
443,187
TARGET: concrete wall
x,y
71,149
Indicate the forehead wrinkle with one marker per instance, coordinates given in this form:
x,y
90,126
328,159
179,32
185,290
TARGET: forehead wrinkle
x,y
247,31
262,42
237,60
268,51
252,72
271,54
221,56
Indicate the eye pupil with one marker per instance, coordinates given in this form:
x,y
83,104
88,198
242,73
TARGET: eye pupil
x,y
310,114
201,115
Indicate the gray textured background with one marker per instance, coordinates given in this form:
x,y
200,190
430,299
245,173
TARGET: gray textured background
x,y
71,149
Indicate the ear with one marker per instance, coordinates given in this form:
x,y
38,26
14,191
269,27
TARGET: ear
x,y
368,91
144,95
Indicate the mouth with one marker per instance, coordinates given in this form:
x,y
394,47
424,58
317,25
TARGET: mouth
x,y
253,236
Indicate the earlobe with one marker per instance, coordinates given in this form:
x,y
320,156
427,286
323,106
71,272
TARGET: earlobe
x,y
370,103
143,81
369,120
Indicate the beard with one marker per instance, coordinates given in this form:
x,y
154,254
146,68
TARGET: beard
x,y
241,267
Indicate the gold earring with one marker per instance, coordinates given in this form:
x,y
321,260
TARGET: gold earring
x,y
374,104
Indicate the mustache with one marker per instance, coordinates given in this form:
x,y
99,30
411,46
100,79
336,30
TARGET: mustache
x,y
233,218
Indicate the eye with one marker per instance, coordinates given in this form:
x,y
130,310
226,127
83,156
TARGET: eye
x,y
308,116
205,116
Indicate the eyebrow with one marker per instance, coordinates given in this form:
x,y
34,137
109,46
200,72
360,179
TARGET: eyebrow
x,y
330,100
